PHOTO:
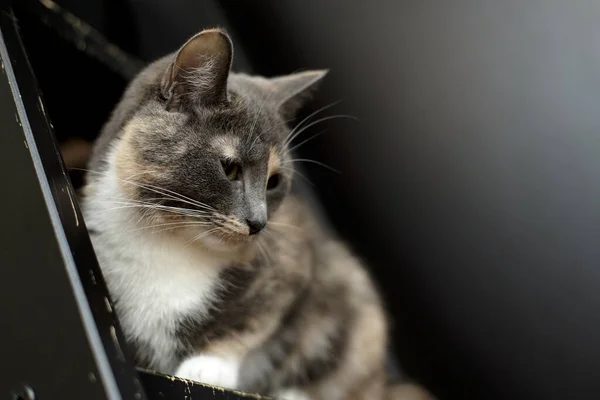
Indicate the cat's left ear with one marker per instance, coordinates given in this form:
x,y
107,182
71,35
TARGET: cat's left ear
x,y
292,91
199,71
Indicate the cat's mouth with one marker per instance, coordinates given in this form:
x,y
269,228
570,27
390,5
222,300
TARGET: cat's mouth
x,y
211,228
236,237
219,234
224,240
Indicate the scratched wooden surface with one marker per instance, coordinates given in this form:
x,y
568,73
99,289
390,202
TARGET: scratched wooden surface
x,y
161,387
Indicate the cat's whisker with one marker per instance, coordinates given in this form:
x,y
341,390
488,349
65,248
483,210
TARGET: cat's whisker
x,y
172,228
220,237
277,125
265,253
227,220
157,189
295,171
307,140
304,128
170,199
185,211
173,225
287,140
201,235
140,173
307,160
173,195
271,235
282,224
125,205
91,171
121,207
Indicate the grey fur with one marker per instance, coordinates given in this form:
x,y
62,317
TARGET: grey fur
x,y
303,308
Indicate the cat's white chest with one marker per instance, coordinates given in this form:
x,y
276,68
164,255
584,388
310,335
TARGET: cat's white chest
x,y
156,281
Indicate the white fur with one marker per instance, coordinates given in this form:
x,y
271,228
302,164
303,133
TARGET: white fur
x,y
212,370
227,146
154,279
292,394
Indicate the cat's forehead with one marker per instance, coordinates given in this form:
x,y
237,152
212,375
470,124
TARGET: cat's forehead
x,y
243,123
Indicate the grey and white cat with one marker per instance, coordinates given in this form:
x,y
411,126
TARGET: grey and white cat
x,y
216,272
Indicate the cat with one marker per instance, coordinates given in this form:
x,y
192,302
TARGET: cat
x,y
217,272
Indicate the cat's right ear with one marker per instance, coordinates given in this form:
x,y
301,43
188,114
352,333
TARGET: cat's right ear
x,y
198,74
290,92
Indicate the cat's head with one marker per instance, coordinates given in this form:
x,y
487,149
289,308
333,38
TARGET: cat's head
x,y
205,152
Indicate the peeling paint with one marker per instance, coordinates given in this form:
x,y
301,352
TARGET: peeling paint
x,y
50,4
42,105
108,306
72,201
113,334
190,384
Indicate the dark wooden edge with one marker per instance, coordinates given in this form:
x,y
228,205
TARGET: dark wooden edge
x,y
161,387
106,342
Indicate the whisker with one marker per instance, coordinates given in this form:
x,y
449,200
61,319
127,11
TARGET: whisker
x,y
307,140
313,162
282,224
182,198
125,205
295,171
201,235
157,189
221,236
173,225
299,126
268,232
291,139
265,253
162,206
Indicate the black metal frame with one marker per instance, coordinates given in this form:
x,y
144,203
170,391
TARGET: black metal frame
x,y
62,337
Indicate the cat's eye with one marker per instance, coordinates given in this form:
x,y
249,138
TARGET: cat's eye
x,y
232,170
273,181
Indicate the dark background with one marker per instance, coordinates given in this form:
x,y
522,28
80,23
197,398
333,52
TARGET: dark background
x,y
471,184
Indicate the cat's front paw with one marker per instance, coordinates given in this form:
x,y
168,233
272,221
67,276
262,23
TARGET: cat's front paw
x,y
292,394
212,370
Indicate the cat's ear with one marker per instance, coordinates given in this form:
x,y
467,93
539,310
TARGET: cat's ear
x,y
200,69
292,91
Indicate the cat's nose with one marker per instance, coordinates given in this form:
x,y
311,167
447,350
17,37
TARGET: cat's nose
x,y
256,225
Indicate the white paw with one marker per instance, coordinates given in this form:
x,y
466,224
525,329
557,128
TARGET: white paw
x,y
211,370
292,394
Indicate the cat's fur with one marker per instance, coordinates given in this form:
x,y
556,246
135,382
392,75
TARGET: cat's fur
x,y
288,311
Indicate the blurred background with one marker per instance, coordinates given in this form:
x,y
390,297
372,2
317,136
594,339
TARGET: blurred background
x,y
471,184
